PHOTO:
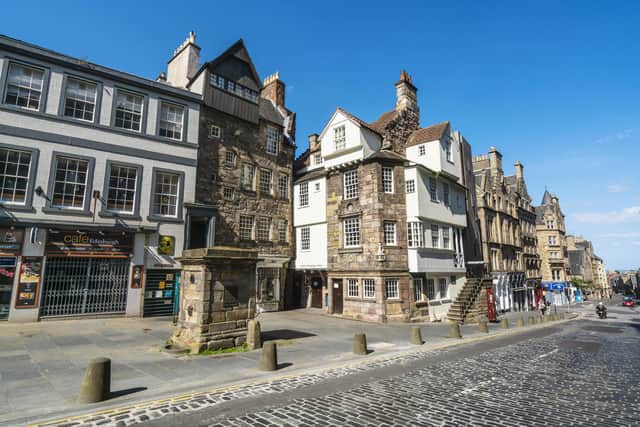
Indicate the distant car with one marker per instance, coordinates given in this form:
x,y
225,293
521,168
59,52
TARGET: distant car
x,y
628,301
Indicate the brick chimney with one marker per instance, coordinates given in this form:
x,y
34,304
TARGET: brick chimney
x,y
273,89
495,161
314,143
406,93
184,63
519,170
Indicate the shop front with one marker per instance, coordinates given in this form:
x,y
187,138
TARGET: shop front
x,y
10,245
86,273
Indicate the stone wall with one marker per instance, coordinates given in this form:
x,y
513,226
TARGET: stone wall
x,y
217,298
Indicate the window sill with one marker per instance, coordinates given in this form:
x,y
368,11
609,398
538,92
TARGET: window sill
x,y
17,208
155,218
350,250
62,211
107,214
422,303
394,300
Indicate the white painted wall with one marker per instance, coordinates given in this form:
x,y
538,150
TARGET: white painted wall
x,y
360,142
316,212
435,157
316,256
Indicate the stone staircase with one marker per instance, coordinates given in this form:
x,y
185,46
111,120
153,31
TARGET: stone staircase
x,y
470,302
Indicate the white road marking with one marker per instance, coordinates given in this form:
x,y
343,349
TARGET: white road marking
x,y
547,354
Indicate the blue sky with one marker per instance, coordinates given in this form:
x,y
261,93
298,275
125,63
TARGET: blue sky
x,y
553,84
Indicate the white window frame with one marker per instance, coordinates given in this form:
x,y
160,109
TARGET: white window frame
x,y
446,237
433,189
435,236
387,180
339,138
263,229
215,131
272,141
422,150
30,88
445,193
84,185
230,159
410,186
305,238
389,232
228,193
133,198
448,151
415,234
9,179
351,232
353,288
171,121
392,288
303,195
283,186
265,185
441,281
127,110
350,181
418,289
247,178
158,205
368,288
80,100
245,224
317,159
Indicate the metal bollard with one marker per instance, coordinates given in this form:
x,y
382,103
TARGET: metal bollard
x,y
360,344
454,330
96,384
520,322
504,324
416,336
484,326
269,357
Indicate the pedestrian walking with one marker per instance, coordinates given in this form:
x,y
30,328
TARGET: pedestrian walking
x,y
542,306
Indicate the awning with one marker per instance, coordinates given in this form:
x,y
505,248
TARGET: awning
x,y
156,260
554,286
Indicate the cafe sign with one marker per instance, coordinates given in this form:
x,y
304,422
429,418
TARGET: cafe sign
x,y
90,244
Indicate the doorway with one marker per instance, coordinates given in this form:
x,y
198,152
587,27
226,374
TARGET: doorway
x,y
337,296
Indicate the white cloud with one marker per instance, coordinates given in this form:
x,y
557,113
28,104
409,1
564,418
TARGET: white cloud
x,y
620,136
626,215
615,188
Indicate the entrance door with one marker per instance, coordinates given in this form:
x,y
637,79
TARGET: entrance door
x,y
159,292
316,292
77,286
337,296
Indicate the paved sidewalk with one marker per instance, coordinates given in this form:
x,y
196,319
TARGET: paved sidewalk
x,y
42,364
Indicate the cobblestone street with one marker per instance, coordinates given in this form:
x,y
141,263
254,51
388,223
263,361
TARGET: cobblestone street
x,y
577,373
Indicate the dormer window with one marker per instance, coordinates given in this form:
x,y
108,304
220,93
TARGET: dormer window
x,y
339,138
448,151
317,159
233,87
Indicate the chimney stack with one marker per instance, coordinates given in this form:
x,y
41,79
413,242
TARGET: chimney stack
x,y
184,63
313,141
273,89
406,93
495,161
519,169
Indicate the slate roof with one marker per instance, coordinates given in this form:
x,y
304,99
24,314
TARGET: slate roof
x,y
316,173
431,133
384,120
546,198
387,155
268,111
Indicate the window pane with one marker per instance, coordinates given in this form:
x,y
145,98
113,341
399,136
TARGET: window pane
x,y
24,86
14,175
165,198
121,191
128,111
70,183
80,99
171,121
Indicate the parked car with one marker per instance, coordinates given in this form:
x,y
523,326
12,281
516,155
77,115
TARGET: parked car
x,y
627,301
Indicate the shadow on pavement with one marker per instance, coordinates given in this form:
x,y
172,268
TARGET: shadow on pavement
x,y
126,391
284,334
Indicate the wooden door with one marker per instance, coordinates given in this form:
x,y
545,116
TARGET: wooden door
x,y
337,296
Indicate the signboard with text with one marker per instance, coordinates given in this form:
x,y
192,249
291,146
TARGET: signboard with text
x,y
29,282
90,244
11,241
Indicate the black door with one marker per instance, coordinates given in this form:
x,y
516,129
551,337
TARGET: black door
x,y
337,296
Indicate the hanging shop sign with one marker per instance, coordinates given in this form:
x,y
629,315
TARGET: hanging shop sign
x,y
166,245
11,241
90,244
29,282
136,276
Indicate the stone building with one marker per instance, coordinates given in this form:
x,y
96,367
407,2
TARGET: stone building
x,y
380,212
552,248
499,210
245,158
97,171
527,295
586,266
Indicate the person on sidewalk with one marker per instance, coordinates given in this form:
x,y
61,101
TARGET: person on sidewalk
x,y
542,306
